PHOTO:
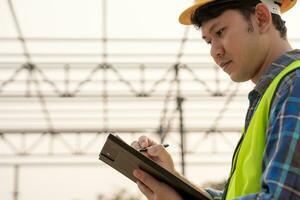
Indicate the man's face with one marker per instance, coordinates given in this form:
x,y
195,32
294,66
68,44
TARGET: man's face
x,y
236,45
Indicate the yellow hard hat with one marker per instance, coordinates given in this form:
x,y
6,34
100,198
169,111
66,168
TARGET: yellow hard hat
x,y
185,17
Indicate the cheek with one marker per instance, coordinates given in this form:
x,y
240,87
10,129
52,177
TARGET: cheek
x,y
233,47
238,50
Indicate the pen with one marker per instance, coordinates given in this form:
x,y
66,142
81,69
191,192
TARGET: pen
x,y
145,149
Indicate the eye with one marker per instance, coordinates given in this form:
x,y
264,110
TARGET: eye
x,y
220,32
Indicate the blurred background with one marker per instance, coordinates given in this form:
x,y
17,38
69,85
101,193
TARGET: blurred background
x,y
73,71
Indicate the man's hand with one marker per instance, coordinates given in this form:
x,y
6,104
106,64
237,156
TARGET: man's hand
x,y
149,186
156,152
154,189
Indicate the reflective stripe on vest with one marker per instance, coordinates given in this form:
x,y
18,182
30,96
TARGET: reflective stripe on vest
x,y
246,177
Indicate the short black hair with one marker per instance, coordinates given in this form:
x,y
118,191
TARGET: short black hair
x,y
245,7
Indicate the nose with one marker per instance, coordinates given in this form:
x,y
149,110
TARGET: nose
x,y
217,50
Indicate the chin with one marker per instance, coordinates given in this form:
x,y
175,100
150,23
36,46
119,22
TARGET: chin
x,y
238,79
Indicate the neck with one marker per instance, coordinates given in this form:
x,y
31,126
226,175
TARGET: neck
x,y
275,50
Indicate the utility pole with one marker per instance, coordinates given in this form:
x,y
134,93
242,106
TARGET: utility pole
x,y
179,102
16,183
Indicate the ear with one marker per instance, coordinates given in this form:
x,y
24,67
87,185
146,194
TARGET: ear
x,y
263,17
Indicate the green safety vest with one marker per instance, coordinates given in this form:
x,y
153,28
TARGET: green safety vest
x,y
246,171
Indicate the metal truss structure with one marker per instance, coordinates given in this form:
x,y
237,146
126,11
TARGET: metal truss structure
x,y
176,100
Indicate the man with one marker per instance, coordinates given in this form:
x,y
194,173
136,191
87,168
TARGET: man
x,y
248,41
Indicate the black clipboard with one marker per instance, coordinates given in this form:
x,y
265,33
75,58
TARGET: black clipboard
x,y
124,158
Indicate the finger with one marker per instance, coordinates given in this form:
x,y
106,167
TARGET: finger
x,y
145,190
158,151
136,145
144,141
147,179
